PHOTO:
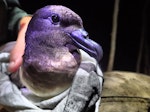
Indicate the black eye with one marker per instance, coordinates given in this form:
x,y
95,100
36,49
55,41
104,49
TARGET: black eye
x,y
55,18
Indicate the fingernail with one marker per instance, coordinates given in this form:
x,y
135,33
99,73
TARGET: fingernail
x,y
14,65
10,66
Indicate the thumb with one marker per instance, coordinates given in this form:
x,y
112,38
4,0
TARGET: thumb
x,y
18,50
17,53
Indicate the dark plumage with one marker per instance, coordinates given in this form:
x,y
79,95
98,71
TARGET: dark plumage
x,y
53,38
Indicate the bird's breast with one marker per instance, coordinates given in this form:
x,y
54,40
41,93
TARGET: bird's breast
x,y
51,71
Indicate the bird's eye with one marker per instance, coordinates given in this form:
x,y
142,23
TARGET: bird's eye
x,y
55,18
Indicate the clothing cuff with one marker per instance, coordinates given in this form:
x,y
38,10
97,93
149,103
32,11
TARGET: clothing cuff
x,y
15,16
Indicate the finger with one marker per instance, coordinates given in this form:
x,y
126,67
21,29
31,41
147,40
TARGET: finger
x,y
18,51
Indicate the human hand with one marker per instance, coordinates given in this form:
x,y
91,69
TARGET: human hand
x,y
18,50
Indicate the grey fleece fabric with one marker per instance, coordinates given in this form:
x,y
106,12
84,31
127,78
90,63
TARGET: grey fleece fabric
x,y
83,96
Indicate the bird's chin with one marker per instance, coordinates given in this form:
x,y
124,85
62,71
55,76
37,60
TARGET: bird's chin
x,y
60,60
74,52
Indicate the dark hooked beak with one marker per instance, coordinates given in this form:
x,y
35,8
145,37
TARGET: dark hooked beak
x,y
82,41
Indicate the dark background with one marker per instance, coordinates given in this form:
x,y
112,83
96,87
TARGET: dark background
x,y
97,19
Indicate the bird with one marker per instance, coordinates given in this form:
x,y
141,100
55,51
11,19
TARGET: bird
x,y
51,57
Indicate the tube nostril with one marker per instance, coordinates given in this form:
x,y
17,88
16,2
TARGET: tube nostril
x,y
84,33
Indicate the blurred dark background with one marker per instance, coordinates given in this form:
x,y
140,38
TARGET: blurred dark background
x,y
97,15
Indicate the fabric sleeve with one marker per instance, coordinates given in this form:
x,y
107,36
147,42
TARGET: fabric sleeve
x,y
15,13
